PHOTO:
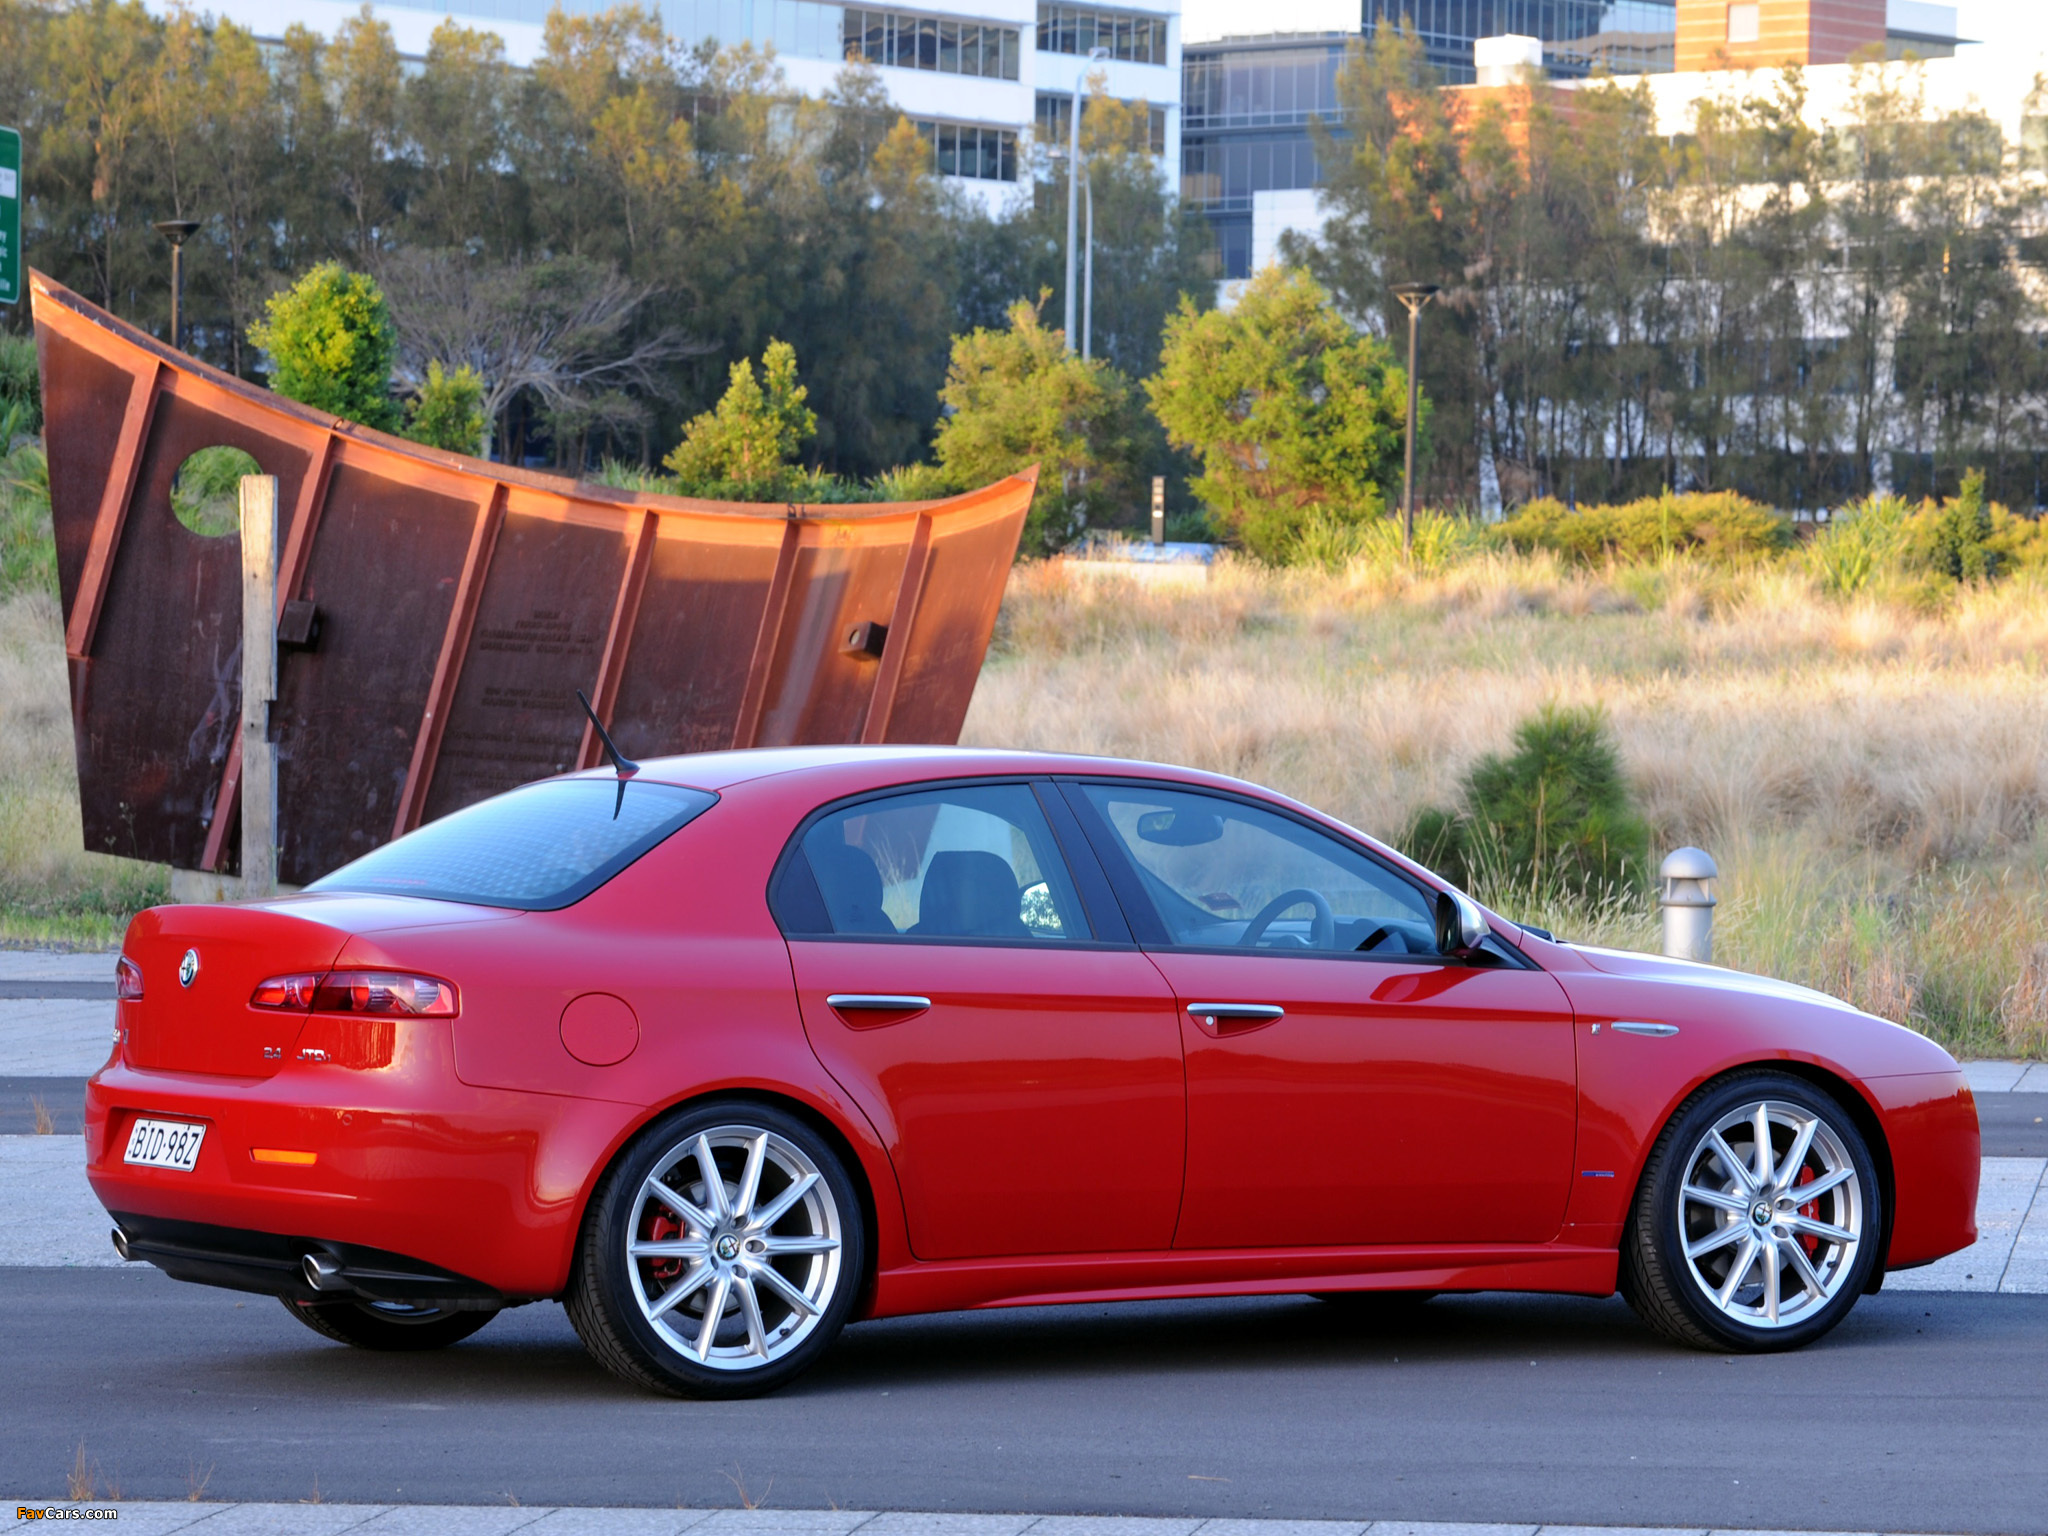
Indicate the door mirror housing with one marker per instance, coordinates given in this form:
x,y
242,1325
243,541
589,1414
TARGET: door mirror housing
x,y
1461,927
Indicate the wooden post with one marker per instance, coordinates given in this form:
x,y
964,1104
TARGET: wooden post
x,y
259,686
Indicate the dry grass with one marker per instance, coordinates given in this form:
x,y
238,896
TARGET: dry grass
x,y
1872,779
51,890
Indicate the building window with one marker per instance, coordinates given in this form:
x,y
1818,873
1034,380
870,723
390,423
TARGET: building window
x,y
946,46
1743,23
966,149
1072,29
1261,88
1055,122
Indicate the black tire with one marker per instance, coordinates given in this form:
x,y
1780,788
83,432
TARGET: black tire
x,y
387,1325
1678,1293
614,1298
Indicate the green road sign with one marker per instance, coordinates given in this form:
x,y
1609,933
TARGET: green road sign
x,y
10,216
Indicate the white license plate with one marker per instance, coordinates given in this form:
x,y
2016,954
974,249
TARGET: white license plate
x,y
165,1144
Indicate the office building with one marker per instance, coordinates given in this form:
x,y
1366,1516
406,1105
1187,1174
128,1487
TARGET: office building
x,y
978,77
1247,154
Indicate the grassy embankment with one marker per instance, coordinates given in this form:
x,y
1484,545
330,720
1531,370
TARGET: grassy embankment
x,y
1871,776
52,892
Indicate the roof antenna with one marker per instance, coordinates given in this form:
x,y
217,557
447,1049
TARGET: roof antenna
x,y
624,765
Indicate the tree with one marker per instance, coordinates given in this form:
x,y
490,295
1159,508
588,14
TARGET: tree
x,y
448,411
331,343
560,331
1400,212
748,443
1018,397
1290,411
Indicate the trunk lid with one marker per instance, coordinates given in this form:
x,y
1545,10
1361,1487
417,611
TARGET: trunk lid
x,y
206,1025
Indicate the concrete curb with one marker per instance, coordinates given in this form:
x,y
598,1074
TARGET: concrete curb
x,y
497,1520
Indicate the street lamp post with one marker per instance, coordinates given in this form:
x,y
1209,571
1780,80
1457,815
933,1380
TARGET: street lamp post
x,y
1414,296
1074,189
1088,278
177,231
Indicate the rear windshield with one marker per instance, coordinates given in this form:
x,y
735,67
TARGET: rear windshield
x,y
538,848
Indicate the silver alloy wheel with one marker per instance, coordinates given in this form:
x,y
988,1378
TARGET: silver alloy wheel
x,y
734,1247
1770,1213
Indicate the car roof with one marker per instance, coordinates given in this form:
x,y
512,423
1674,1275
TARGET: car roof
x,y
909,765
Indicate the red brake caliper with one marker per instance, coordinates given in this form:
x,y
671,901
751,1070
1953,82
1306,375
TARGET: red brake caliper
x,y
1811,1211
664,1229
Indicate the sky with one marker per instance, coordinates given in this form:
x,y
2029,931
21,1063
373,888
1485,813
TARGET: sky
x,y
2005,25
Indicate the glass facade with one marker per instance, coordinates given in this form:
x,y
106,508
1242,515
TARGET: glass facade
x,y
1625,37
1055,110
971,150
1077,29
901,40
1245,114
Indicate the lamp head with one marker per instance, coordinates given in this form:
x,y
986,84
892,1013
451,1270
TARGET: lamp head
x,y
177,231
1415,295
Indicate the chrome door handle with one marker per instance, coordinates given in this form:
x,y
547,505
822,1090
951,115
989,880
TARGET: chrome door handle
x,y
877,1002
1235,1018
1655,1031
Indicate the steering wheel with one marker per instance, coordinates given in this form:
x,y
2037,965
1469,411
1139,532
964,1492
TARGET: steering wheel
x,y
1322,933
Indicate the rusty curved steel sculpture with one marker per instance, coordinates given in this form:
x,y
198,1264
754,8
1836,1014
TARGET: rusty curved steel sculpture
x,y
460,604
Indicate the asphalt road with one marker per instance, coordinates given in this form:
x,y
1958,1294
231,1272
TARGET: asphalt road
x,y
1921,1413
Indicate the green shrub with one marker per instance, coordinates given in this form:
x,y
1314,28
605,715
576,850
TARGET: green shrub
x,y
21,397
1335,542
448,412
28,546
1017,397
1720,527
1860,544
331,343
745,448
1953,538
1554,816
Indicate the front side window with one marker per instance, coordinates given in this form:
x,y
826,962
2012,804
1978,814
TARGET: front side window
x,y
1225,874
970,861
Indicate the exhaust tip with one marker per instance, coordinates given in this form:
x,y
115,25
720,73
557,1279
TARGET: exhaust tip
x,y
323,1272
121,1246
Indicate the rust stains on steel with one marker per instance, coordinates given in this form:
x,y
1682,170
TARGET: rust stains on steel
x,y
458,605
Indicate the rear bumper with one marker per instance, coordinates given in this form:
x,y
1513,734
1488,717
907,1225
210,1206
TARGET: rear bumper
x,y
274,1265
424,1175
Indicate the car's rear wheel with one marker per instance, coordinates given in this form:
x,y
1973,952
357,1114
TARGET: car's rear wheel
x,y
721,1255
1757,1220
388,1325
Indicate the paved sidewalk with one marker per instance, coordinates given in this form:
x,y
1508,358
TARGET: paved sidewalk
x,y
494,1520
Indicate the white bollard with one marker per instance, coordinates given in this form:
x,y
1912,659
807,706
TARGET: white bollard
x,y
1687,902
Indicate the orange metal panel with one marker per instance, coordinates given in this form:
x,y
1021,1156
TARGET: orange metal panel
x,y
461,603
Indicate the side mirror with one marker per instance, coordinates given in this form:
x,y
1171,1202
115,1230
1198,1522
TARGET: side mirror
x,y
1460,926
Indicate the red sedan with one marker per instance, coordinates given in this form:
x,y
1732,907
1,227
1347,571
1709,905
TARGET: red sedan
x,y
726,1053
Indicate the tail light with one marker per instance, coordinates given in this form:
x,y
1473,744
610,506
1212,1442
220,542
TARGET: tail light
x,y
380,994
127,980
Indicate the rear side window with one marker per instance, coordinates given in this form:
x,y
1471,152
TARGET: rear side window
x,y
970,861
538,848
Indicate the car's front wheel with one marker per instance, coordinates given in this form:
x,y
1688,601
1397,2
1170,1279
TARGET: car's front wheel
x,y
721,1255
1757,1220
